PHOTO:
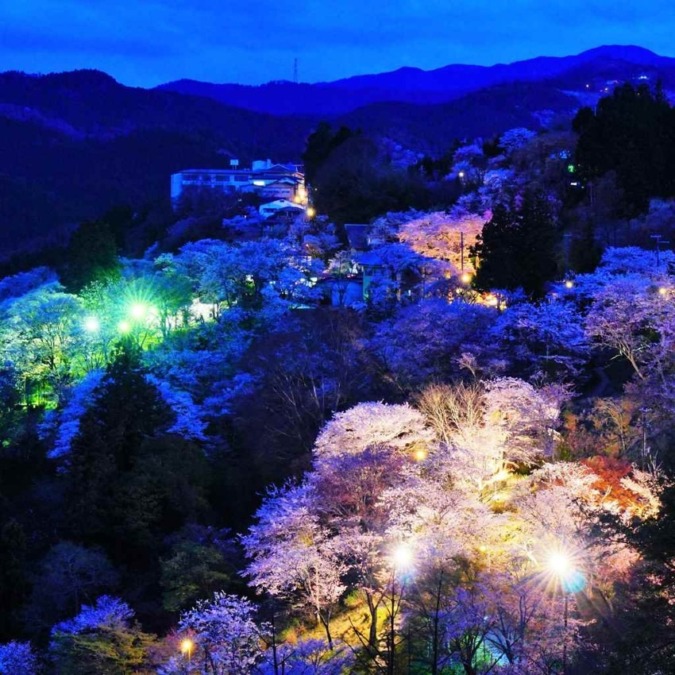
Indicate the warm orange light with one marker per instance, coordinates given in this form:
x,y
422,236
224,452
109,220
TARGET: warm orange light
x,y
420,454
186,646
466,277
311,212
569,284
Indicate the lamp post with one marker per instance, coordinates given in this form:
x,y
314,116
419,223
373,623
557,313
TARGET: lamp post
x,y
561,565
186,647
92,324
401,560
658,240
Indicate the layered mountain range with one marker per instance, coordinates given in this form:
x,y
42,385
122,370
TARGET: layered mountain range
x,y
412,85
74,144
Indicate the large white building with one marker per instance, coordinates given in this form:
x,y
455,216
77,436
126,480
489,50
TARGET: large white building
x,y
271,181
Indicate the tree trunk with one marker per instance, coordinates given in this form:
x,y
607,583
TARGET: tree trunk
x,y
372,634
325,622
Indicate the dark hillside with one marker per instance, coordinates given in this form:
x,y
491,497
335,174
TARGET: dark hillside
x,y
74,144
432,129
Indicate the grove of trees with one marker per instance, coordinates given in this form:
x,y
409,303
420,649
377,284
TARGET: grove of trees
x,y
211,462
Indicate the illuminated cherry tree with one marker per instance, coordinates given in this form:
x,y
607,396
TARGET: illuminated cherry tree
x,y
293,555
399,428
18,658
227,640
445,236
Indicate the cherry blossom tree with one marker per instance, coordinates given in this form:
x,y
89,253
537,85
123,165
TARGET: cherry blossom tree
x,y
400,428
41,334
307,657
449,329
528,416
633,317
445,236
515,139
227,639
101,638
293,555
547,338
488,429
18,658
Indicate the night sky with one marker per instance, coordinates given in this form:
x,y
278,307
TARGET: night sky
x,y
146,42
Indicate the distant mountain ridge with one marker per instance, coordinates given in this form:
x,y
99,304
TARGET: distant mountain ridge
x,y
74,144
413,85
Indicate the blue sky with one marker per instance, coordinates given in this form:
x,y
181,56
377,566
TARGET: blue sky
x,y
146,42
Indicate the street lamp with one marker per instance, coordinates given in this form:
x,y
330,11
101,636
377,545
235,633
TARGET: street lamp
x,y
138,310
561,565
420,454
402,557
124,327
401,561
92,324
186,647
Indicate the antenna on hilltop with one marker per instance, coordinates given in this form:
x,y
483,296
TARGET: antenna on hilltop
x,y
295,70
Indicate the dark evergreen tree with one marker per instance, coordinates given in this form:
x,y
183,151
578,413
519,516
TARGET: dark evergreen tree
x,y
128,410
640,639
584,252
631,132
320,145
13,581
517,246
91,256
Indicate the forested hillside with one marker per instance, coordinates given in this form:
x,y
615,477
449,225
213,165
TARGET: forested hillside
x,y
75,144
250,447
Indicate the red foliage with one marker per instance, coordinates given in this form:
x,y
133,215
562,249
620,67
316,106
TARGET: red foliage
x,y
610,471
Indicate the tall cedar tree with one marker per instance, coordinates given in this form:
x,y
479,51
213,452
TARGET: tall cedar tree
x,y
517,246
128,410
631,132
319,146
91,256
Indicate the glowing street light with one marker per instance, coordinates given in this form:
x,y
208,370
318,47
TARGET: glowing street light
x,y
310,212
186,647
569,284
401,561
92,324
561,565
420,455
124,327
402,557
466,277
138,310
